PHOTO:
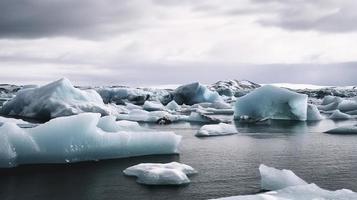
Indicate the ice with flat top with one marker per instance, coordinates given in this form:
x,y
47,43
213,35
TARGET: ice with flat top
x,y
273,103
78,138
216,130
173,173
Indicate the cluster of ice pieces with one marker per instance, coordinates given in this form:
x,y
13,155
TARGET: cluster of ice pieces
x,y
216,130
56,99
161,174
80,137
338,108
285,185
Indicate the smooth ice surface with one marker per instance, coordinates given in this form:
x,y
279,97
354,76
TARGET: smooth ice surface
x,y
145,116
173,173
55,99
12,120
339,115
153,106
195,93
287,186
272,102
109,124
301,192
77,138
216,130
348,105
344,130
313,114
173,106
276,179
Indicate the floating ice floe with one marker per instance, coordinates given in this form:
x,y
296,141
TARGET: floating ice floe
x,y
313,114
273,103
216,130
153,106
78,138
276,179
287,186
161,174
339,115
352,129
348,105
55,99
195,93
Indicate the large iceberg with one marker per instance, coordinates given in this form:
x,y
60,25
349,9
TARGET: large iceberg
x,y
173,173
78,138
287,186
195,93
55,99
273,103
216,130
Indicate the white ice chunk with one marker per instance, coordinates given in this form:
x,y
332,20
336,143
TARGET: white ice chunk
x,y
301,192
272,102
77,138
339,115
145,116
216,130
287,186
313,114
55,99
109,124
153,106
161,174
12,120
352,129
276,179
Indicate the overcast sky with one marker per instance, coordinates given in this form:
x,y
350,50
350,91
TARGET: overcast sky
x,y
152,42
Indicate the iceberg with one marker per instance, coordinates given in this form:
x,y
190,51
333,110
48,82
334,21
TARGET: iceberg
x,y
313,114
301,192
195,93
348,105
78,138
173,173
344,130
12,120
273,103
276,179
216,130
173,106
153,106
151,117
109,124
55,99
339,115
288,186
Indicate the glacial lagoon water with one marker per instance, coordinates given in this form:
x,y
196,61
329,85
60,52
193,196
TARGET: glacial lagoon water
x,y
227,165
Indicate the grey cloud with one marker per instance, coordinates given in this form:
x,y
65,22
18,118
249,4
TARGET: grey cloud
x,y
80,18
319,15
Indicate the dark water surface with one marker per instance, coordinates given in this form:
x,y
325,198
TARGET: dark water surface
x,y
227,165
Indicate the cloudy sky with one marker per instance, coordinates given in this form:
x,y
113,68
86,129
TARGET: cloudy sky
x,y
151,42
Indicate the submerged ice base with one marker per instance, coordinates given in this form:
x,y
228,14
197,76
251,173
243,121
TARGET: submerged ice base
x,y
78,138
